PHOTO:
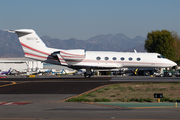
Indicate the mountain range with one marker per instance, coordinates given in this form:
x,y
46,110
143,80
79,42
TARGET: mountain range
x,y
10,45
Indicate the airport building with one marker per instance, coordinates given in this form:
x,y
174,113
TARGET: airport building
x,y
20,64
29,66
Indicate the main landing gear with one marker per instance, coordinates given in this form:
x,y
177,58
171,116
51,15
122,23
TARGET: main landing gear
x,y
88,73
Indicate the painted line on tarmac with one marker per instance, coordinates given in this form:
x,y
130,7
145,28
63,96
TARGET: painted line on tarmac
x,y
14,103
87,92
12,83
62,88
21,118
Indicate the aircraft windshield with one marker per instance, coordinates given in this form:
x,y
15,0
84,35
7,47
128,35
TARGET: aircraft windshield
x,y
160,56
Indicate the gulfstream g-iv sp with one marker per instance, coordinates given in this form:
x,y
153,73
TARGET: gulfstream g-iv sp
x,y
35,48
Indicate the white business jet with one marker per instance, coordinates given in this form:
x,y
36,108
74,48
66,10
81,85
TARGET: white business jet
x,y
35,48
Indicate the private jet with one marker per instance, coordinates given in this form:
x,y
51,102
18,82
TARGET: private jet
x,y
35,48
5,72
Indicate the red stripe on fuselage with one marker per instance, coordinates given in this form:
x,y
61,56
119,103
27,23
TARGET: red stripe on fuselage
x,y
72,57
34,49
39,56
70,54
48,53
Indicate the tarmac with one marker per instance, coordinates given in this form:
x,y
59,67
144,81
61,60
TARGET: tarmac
x,y
42,99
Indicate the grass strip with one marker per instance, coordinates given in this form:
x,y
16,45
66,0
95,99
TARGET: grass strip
x,y
131,92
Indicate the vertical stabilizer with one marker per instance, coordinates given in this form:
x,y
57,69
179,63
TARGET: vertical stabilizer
x,y
32,44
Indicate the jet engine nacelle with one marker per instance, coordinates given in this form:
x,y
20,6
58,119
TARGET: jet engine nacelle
x,y
75,55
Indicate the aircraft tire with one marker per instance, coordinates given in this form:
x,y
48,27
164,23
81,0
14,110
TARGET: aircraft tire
x,y
87,75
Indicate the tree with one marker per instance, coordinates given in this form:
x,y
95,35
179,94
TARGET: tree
x,y
176,46
161,42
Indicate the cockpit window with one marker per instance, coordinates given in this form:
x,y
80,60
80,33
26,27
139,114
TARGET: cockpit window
x,y
160,56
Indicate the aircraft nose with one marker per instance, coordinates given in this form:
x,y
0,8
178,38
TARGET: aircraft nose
x,y
171,63
174,64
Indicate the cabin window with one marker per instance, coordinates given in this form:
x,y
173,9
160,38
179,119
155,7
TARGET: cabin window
x,y
130,58
114,58
122,58
106,58
98,58
138,59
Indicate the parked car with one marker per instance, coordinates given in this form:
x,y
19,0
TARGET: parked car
x,y
167,74
177,73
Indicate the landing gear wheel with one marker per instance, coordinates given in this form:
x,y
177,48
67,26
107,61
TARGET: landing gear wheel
x,y
87,75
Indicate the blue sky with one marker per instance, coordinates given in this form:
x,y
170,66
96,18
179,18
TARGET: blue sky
x,y
82,19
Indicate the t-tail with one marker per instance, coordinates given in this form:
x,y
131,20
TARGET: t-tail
x,y
32,45
9,70
35,48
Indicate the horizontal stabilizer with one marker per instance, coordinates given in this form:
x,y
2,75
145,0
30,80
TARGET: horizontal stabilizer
x,y
28,31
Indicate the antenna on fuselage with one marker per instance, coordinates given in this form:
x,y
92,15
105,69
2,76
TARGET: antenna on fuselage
x,y
135,51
